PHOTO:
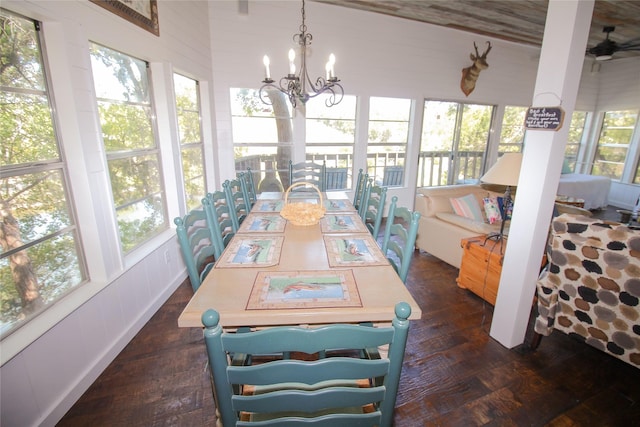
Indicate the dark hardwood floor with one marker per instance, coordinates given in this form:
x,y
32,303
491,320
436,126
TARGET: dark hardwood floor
x,y
454,374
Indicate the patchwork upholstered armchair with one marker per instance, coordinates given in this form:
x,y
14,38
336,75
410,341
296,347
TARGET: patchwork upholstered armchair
x,y
591,288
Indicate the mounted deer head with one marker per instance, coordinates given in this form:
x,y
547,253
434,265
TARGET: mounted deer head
x,y
470,74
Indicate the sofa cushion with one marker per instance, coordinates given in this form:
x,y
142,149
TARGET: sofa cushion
x,y
479,227
467,206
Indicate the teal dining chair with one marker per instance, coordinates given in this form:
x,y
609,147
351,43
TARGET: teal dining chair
x,y
218,219
340,389
374,209
357,192
196,244
250,187
310,172
239,205
364,196
398,243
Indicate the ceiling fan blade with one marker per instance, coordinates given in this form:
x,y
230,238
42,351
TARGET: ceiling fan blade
x,y
633,44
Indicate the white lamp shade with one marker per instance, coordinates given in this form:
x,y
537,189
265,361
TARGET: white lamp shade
x,y
505,171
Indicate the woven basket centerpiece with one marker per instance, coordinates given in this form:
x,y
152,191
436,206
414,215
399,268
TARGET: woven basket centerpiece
x,y
303,213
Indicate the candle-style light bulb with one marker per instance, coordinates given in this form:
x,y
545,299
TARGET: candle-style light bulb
x,y
266,62
328,70
332,61
292,57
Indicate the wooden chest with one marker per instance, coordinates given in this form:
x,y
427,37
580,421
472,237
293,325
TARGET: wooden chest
x,y
481,266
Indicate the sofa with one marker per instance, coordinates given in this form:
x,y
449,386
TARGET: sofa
x,y
441,229
591,287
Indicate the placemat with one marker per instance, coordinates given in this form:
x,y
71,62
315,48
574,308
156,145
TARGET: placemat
x,y
303,290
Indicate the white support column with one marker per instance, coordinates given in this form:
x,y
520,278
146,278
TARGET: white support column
x,y
559,70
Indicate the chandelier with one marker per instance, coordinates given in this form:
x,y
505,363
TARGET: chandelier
x,y
299,87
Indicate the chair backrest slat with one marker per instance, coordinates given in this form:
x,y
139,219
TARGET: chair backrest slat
x,y
218,219
330,390
313,173
197,245
400,235
358,189
239,205
374,209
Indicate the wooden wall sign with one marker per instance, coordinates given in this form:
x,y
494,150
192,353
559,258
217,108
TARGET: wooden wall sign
x,y
544,118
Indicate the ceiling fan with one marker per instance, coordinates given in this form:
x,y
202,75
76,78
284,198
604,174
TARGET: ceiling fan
x,y
604,50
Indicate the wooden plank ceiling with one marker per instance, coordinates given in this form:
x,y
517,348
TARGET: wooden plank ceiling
x,y
519,21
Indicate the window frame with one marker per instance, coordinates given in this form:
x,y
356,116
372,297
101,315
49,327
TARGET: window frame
x,y
59,165
154,151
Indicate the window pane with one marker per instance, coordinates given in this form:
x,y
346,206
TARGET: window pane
x,y
40,258
51,213
454,142
512,134
262,134
126,116
125,127
330,134
574,140
193,171
188,110
613,143
387,142
129,84
27,129
21,59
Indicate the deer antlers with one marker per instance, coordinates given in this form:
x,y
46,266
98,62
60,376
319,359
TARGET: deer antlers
x,y
470,74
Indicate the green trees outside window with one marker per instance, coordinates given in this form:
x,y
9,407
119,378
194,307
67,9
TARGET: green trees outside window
x,y
191,144
613,143
41,258
125,108
454,142
512,133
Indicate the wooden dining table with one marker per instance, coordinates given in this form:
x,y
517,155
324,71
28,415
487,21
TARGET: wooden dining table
x,y
275,273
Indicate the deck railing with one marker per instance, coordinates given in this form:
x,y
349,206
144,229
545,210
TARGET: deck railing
x,y
434,167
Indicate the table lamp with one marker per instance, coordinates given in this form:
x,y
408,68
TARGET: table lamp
x,y
505,171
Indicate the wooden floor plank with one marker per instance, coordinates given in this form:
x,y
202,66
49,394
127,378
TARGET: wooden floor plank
x,y
454,373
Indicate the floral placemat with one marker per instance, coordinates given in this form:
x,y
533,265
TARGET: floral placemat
x,y
304,289
263,223
266,206
341,205
342,223
353,250
252,251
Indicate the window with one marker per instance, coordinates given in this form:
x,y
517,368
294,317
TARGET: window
x,y
574,140
124,104
330,135
454,142
191,145
41,258
512,134
613,143
388,137
262,136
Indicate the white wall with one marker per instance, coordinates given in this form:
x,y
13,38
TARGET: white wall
x,y
216,44
52,360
